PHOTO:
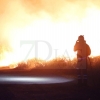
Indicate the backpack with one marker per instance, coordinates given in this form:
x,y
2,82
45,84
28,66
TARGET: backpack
x,y
88,50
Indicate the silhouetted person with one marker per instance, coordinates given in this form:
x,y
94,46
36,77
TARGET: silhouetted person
x,y
83,51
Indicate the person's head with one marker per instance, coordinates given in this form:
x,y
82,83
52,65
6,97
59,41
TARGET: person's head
x,y
81,38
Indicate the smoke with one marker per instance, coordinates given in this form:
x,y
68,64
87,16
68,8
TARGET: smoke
x,y
57,9
19,13
64,10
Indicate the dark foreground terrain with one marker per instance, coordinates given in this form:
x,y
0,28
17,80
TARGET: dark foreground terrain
x,y
57,91
48,92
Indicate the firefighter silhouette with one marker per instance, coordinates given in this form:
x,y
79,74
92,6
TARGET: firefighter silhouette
x,y
83,51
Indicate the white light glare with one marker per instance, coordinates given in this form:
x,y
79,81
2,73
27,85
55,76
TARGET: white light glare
x,y
33,80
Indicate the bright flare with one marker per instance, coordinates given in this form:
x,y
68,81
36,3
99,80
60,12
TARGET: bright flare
x,y
61,37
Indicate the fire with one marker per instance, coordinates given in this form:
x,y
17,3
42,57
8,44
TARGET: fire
x,y
43,30
46,33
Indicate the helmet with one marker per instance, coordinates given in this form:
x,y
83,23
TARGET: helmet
x,y
81,38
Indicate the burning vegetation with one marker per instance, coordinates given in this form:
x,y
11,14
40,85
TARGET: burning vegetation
x,y
57,63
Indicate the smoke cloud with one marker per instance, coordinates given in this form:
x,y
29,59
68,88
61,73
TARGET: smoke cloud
x,y
19,13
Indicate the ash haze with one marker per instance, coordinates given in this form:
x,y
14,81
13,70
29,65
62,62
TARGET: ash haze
x,y
58,22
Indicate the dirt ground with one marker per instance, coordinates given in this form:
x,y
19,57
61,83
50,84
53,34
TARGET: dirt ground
x,y
58,91
64,91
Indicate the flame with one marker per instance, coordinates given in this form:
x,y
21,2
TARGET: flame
x,y
55,27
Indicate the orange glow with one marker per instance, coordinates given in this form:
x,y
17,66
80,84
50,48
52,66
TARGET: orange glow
x,y
59,27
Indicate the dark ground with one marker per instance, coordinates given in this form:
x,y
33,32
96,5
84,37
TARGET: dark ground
x,y
59,91
48,92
